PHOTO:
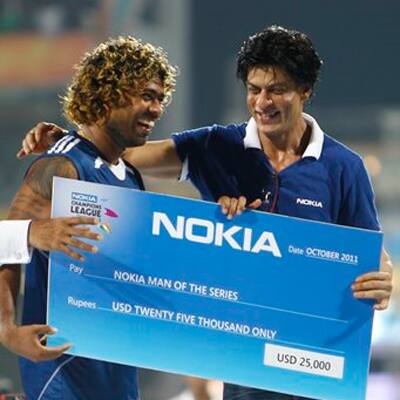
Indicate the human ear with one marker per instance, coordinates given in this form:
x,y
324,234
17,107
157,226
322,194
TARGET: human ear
x,y
106,117
306,93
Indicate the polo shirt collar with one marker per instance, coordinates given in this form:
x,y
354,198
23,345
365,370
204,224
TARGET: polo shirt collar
x,y
313,149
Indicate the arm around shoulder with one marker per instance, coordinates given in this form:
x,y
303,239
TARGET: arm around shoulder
x,y
157,158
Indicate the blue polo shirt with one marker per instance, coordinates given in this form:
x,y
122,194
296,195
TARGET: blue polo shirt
x,y
329,183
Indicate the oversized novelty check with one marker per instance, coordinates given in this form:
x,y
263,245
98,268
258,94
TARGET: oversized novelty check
x,y
262,300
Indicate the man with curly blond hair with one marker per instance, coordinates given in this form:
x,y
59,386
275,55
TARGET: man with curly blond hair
x,y
118,92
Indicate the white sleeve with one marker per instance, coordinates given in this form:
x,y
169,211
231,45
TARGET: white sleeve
x,y
184,175
14,248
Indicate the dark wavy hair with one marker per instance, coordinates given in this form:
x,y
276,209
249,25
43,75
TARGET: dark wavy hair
x,y
277,46
111,74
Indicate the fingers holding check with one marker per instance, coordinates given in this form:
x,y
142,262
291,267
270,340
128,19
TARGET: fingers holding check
x,y
29,341
232,206
64,234
375,286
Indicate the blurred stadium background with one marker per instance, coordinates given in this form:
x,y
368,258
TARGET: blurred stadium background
x,y
357,99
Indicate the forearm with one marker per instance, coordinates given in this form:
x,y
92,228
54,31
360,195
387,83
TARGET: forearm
x,y
9,287
27,204
156,158
32,201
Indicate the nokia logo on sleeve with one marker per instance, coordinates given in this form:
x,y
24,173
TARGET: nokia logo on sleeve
x,y
308,202
215,233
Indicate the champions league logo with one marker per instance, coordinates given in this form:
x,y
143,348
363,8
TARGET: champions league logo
x,y
89,205
85,204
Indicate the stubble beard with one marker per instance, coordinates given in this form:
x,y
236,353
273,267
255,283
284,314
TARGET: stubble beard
x,y
119,139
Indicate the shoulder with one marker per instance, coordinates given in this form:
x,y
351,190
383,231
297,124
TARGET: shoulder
x,y
213,133
59,159
32,201
347,171
39,176
231,132
81,153
66,145
337,153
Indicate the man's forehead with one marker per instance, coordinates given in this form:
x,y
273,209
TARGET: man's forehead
x,y
155,85
268,75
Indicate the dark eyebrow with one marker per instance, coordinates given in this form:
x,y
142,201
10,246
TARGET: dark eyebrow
x,y
252,85
275,84
153,92
148,90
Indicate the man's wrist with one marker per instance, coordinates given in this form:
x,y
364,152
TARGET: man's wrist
x,y
6,332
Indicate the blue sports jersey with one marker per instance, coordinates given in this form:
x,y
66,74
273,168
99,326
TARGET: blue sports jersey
x,y
329,183
69,377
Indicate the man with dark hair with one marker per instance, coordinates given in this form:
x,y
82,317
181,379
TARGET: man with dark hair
x,y
118,92
279,161
277,46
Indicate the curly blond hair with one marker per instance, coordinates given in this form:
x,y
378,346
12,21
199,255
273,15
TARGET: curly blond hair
x,y
111,74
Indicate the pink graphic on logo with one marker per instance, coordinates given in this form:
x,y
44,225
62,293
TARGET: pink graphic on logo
x,y
110,213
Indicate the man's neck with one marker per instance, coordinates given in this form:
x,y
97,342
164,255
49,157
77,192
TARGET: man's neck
x,y
103,142
286,148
